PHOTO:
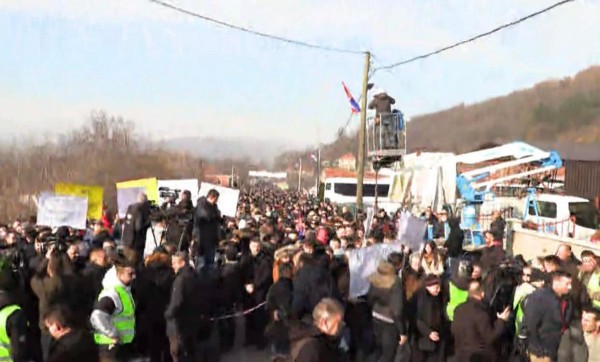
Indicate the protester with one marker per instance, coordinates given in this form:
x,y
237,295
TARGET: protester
x,y
590,322
387,302
70,342
475,330
548,314
181,311
431,329
207,223
319,341
113,318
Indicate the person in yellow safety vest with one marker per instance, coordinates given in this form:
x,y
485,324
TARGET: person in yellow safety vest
x,y
113,318
13,322
458,288
590,276
532,279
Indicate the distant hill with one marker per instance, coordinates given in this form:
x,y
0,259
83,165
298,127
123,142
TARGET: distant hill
x,y
565,112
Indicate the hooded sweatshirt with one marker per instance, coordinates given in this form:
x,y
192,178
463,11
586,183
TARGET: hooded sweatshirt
x,y
109,304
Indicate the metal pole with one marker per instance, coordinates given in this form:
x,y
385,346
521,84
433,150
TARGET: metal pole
x,y
362,134
318,170
300,175
375,209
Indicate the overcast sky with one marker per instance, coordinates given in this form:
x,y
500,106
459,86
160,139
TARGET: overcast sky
x,y
178,76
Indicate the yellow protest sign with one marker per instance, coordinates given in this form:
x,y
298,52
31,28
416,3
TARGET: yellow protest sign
x,y
150,184
94,195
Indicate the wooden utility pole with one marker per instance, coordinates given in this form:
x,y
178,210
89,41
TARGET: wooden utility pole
x,y
362,133
300,176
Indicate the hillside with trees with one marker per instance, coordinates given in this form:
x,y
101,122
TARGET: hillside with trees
x,y
565,111
104,151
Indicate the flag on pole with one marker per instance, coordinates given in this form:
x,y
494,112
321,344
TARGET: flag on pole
x,y
353,104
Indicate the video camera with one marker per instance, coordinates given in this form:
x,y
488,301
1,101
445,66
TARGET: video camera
x,y
166,192
49,240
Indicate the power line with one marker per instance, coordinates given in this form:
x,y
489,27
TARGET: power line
x,y
257,33
482,35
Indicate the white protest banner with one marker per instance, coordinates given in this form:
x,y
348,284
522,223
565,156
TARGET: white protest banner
x,y
228,198
369,221
126,197
411,231
61,210
166,186
363,263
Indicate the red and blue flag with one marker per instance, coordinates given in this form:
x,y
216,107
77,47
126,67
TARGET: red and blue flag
x,y
353,103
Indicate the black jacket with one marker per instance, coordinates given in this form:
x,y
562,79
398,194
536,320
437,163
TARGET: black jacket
x,y
181,314
16,329
136,224
207,223
388,302
491,256
279,299
231,278
92,275
258,271
78,345
476,331
455,239
544,323
311,284
430,318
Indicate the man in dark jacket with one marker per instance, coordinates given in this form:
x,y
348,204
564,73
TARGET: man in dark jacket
x,y
258,279
231,280
493,253
430,323
181,312
279,306
69,342
93,273
548,314
312,283
498,225
319,342
475,330
207,227
453,244
137,222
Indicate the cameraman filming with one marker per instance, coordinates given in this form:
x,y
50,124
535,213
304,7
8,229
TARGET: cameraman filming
x,y
207,229
137,222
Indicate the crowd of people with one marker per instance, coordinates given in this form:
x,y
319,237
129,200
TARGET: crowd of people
x,y
281,265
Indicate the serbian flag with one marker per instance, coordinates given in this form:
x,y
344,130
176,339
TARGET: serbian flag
x,y
353,104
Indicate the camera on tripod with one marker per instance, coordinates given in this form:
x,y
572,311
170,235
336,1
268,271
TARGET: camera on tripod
x,y
165,192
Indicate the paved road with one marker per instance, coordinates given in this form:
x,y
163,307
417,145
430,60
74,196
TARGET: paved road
x,y
241,354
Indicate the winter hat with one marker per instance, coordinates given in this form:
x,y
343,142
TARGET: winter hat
x,y
431,280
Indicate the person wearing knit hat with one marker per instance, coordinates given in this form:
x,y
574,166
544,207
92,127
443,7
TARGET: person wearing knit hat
x,y
431,280
430,321
385,297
